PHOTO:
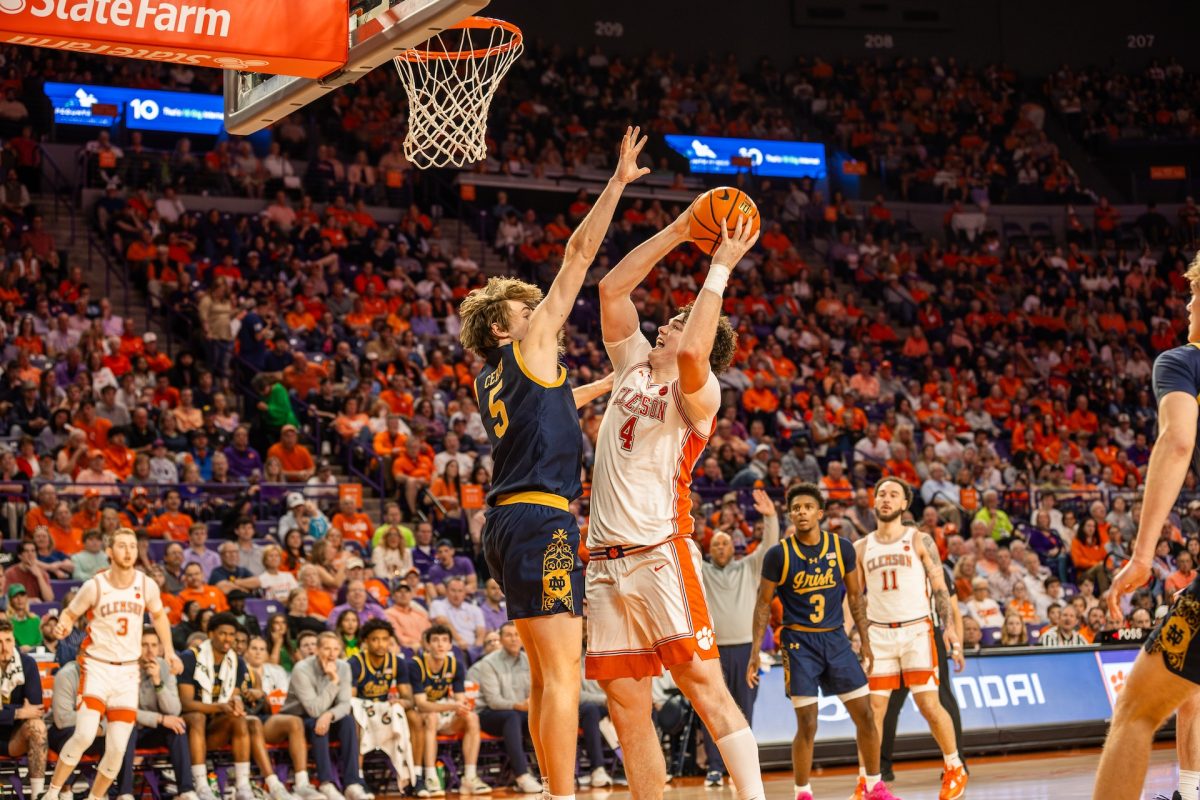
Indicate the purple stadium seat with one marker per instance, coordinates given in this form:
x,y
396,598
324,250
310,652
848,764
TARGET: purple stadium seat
x,y
10,545
158,547
62,587
263,609
1035,632
41,609
990,636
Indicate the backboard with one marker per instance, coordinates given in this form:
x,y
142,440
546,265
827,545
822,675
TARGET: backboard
x,y
379,29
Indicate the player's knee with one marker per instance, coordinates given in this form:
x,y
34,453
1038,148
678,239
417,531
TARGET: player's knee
x,y
36,731
472,721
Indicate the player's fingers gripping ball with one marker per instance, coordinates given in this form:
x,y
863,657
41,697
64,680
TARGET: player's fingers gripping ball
x,y
723,203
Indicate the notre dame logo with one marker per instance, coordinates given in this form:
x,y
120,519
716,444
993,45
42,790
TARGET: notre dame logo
x,y
557,563
1177,632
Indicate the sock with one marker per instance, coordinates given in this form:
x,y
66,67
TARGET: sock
x,y
1189,780
872,780
200,775
418,774
799,790
862,771
469,772
241,774
301,777
952,760
37,785
272,781
739,751
562,797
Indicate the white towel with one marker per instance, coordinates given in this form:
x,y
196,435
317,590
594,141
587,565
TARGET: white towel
x,y
385,727
12,676
205,673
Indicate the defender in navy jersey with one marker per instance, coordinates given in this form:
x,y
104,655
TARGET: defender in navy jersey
x,y
812,572
530,538
1164,676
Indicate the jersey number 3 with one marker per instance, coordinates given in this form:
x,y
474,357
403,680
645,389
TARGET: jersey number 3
x,y
122,626
498,411
626,433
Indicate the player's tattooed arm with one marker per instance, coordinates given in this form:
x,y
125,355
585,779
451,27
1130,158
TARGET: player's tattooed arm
x,y
762,615
937,580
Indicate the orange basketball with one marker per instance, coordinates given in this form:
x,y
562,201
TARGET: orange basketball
x,y
722,203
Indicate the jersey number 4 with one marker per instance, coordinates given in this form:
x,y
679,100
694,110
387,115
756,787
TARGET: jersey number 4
x,y
626,433
889,580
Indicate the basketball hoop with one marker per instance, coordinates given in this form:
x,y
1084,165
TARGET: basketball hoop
x,y
450,82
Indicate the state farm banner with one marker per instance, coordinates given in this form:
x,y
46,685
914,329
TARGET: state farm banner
x,y
253,35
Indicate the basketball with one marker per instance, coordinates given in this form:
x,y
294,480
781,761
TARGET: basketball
x,y
722,203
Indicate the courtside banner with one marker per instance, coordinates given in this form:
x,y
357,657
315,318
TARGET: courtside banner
x,y
306,38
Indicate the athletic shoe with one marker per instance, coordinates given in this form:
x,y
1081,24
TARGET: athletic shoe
x,y
356,791
527,784
954,783
881,792
124,797
712,780
244,793
860,789
188,796
277,792
204,791
432,788
330,791
804,796
473,785
306,791
1174,796
49,794
601,778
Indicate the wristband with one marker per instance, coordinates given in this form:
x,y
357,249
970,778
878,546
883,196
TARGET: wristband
x,y
718,276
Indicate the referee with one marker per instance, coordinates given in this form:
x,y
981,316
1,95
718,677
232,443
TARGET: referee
x,y
731,588
945,690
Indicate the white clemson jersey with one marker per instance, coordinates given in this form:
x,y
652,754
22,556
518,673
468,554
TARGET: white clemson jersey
x,y
648,444
897,586
114,632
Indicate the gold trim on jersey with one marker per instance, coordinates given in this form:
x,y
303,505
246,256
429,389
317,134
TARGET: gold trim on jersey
x,y
537,498
557,563
562,371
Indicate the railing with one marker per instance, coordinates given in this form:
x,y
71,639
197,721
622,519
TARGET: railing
x,y
62,191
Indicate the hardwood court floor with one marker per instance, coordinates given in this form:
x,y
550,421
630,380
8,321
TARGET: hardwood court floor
x,y
1063,775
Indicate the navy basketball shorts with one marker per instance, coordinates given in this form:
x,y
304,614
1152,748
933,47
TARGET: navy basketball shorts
x,y
533,553
1177,637
820,660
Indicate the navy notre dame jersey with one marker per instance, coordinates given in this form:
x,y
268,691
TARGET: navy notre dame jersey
x,y
1178,370
437,684
374,684
811,580
533,427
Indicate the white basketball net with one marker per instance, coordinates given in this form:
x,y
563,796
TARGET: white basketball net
x,y
450,83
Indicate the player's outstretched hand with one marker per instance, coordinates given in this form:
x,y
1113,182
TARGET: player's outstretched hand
x,y
866,656
682,226
736,243
954,648
752,671
628,170
1128,579
763,503
174,664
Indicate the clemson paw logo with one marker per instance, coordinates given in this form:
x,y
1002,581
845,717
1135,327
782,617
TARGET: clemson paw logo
x,y
705,638
12,6
1117,681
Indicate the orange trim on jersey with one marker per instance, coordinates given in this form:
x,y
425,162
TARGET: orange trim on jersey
x,y
879,683
622,665
681,651
692,447
692,589
920,677
93,703
122,715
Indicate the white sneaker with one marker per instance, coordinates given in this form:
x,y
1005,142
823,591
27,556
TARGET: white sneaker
x,y
331,792
243,793
473,785
50,794
432,788
601,778
204,791
356,791
306,791
188,796
528,784
124,797
276,792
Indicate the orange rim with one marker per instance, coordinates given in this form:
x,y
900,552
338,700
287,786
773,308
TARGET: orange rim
x,y
417,54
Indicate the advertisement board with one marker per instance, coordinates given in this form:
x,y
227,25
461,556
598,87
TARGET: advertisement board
x,y
140,109
715,155
994,693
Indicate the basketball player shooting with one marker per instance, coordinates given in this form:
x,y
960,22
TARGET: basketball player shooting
x,y
531,538
646,601
900,568
115,601
1164,678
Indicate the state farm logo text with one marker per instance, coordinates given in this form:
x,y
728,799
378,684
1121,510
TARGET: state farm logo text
x,y
164,16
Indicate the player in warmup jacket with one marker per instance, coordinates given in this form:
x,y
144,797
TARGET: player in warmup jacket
x,y
530,539
646,604
812,572
114,602
900,565
1164,677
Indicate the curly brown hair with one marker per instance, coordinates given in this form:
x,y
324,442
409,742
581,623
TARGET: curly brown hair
x,y
488,306
724,344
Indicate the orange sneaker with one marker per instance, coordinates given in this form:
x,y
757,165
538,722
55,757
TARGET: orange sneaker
x,y
860,790
954,783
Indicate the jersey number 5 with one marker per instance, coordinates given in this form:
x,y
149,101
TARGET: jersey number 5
x,y
626,433
498,411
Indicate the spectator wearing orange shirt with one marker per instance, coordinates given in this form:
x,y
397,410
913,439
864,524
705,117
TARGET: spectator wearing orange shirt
x,y
1184,574
302,378
94,426
413,470
297,462
87,516
43,511
172,524
320,602
157,361
438,370
397,397
761,402
865,383
117,457
835,486
354,525
194,588
901,466
1081,419
775,240
67,537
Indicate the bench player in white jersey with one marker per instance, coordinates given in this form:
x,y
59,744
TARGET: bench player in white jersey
x,y
646,605
900,567
114,602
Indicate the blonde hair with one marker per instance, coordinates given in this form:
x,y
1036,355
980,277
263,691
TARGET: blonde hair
x,y
110,538
1192,274
485,307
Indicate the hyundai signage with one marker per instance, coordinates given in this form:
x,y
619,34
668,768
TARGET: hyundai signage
x,y
141,109
715,154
